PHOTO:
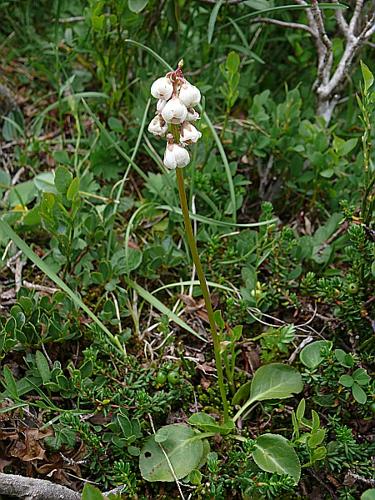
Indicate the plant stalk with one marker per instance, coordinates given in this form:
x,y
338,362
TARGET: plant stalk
x,y
204,287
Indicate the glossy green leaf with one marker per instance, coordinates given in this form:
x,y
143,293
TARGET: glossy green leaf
x,y
208,424
242,394
368,77
361,377
179,453
73,189
91,493
359,394
311,356
275,381
316,438
43,367
273,453
63,178
300,412
137,5
346,380
368,494
10,383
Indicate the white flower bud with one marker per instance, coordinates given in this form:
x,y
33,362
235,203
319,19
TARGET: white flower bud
x,y
162,88
158,126
192,115
175,156
189,133
189,95
160,105
174,111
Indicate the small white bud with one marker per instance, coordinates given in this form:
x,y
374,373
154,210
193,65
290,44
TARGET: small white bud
x,y
192,115
162,88
189,133
189,95
175,156
174,111
160,105
158,126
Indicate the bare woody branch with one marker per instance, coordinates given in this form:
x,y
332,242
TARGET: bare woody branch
x,y
356,15
340,18
29,488
330,80
283,24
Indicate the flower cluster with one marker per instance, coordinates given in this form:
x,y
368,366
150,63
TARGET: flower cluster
x,y
174,116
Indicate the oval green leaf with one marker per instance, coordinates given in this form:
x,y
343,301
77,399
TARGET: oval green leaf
x,y
273,453
275,381
180,444
137,6
359,394
311,356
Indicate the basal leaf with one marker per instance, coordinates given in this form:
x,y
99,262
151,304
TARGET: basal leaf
x,y
137,5
275,381
273,453
311,356
183,449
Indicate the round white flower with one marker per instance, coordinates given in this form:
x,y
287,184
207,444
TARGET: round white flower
x,y
160,105
189,133
189,95
192,115
158,126
162,88
175,156
174,111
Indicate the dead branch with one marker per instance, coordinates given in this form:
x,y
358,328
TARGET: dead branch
x,y
356,33
283,24
28,488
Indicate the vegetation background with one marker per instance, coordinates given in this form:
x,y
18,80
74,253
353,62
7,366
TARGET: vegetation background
x,y
103,330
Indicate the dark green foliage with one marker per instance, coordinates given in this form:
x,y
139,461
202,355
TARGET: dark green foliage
x,y
96,205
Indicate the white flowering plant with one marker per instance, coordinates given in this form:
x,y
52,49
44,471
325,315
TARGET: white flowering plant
x,y
175,450
174,116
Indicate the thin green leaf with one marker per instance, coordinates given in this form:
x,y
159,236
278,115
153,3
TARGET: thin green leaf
x,y
24,247
148,297
215,222
281,8
10,383
212,20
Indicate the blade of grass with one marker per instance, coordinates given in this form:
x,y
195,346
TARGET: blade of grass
x,y
281,8
148,297
195,283
214,222
212,20
24,247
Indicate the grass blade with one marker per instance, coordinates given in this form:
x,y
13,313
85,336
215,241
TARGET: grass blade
x,y
215,222
212,20
24,247
148,297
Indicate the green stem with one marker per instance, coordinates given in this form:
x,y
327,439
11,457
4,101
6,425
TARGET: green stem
x,y
204,287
